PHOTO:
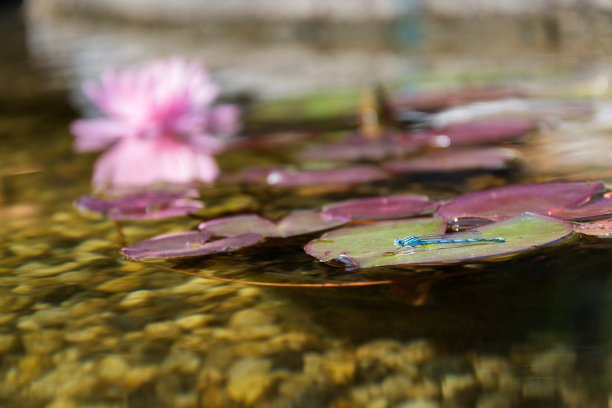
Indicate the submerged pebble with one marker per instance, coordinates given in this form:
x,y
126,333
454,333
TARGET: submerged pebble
x,y
249,379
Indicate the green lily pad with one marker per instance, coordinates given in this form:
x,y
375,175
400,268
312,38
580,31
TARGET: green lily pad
x,y
373,245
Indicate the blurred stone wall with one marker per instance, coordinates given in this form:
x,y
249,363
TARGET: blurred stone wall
x,y
190,11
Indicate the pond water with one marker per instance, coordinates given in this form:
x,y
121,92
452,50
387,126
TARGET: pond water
x,y
81,326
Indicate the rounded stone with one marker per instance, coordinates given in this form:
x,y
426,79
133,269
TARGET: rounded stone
x,y
74,277
454,384
249,379
93,244
194,321
555,361
163,330
88,334
7,342
123,284
419,403
136,299
193,286
112,369
250,318
42,341
494,400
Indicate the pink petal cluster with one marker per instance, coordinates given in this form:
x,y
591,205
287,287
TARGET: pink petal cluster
x,y
158,123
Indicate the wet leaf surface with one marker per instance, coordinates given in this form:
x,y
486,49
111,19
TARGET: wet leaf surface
x,y
504,202
395,206
455,160
295,223
598,208
148,205
288,177
357,148
373,245
599,228
477,133
437,100
188,244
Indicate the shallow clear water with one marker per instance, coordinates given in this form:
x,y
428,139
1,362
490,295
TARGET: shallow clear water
x,y
81,326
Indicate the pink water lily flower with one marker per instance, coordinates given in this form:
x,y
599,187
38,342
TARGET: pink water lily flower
x,y
158,124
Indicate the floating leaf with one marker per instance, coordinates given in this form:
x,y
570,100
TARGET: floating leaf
x,y
437,100
287,177
597,208
188,244
147,205
373,245
394,206
599,228
455,160
504,202
240,224
295,223
358,148
476,133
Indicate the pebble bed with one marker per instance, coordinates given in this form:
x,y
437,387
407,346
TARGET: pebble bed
x,y
80,327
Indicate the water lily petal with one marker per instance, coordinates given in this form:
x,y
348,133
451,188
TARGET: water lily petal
x,y
145,162
96,134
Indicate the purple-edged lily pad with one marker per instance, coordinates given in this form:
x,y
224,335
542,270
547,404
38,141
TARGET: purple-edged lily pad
x,y
477,133
599,228
188,244
287,177
598,208
436,100
493,158
295,223
504,202
373,245
394,206
357,148
148,205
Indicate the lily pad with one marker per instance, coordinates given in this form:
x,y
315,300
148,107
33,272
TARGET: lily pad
x,y
188,244
598,208
373,245
437,100
494,158
295,223
599,228
394,206
504,202
288,177
477,133
358,148
147,205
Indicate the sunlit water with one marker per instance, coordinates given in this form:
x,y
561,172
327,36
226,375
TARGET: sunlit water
x,y
81,326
